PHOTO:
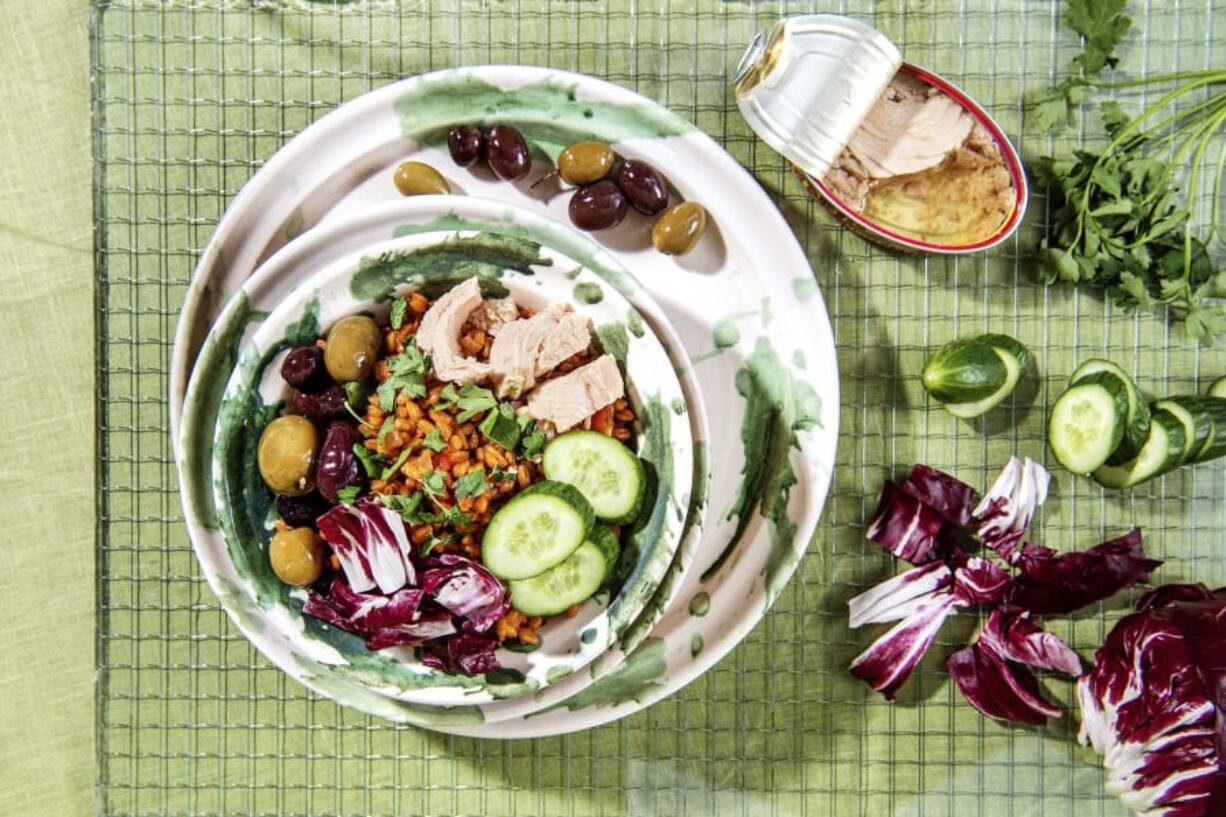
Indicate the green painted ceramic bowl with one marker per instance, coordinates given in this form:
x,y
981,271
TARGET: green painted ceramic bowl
x,y
230,510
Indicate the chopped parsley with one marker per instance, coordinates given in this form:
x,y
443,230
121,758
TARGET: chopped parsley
x,y
501,427
531,438
369,464
396,318
406,506
391,470
434,483
434,440
406,374
470,485
349,494
433,542
389,425
470,399
500,474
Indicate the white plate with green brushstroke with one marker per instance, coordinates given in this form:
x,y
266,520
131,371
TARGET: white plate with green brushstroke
x,y
745,305
229,509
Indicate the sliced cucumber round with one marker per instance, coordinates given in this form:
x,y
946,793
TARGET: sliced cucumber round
x,y
536,530
1136,423
1197,425
1161,453
1218,388
960,373
604,470
1209,415
564,585
1087,422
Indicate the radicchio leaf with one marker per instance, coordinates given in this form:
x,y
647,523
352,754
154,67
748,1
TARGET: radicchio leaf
x,y
1005,512
905,526
468,590
945,494
1060,583
1015,637
371,544
1146,708
980,581
466,653
997,688
888,661
383,621
899,596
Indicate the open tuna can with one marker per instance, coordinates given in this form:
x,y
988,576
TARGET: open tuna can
x,y
896,152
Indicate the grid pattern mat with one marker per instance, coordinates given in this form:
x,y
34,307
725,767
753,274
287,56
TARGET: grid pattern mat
x,y
193,97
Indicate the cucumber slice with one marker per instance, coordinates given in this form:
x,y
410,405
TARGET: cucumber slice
x,y
1210,412
1087,422
973,375
1136,424
602,536
571,582
536,530
604,470
1197,425
1160,454
1218,388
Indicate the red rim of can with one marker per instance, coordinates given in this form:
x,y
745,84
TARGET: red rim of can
x,y
1020,188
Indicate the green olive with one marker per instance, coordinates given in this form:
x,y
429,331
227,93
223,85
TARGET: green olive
x,y
586,162
352,348
297,556
286,455
419,179
679,228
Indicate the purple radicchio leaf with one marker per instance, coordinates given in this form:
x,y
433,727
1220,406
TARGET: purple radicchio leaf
x,y
980,581
1016,637
468,590
1006,510
1061,583
998,689
888,661
434,626
1146,708
899,596
948,496
383,621
466,653
371,544
905,526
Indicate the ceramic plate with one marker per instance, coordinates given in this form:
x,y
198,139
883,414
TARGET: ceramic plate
x,y
233,529
745,305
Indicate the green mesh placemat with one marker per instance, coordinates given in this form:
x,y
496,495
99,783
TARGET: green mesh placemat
x,y
192,97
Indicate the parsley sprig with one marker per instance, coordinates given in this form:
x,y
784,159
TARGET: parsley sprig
x,y
470,399
406,374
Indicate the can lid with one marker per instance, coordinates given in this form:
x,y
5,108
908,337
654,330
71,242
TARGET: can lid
x,y
808,85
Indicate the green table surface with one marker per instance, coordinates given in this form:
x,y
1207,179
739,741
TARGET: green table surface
x,y
199,723
47,759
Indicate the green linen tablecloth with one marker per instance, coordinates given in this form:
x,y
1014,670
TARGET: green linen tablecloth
x,y
193,96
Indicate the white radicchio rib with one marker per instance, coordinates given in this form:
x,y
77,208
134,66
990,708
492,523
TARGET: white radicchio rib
x,y
1005,512
371,544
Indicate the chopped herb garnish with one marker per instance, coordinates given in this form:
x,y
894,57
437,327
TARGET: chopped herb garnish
x,y
389,425
472,484
434,483
433,542
531,439
447,515
471,400
349,494
501,427
406,506
396,318
406,374
434,440
391,470
500,474
369,464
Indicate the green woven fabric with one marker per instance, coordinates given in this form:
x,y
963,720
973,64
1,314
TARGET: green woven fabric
x,y
194,97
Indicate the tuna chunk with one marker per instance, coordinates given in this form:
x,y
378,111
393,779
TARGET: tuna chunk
x,y
439,334
494,314
568,400
523,350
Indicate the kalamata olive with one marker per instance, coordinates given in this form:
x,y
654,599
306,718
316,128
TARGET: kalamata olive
x,y
419,179
507,153
301,511
643,186
303,368
297,556
585,162
286,455
338,466
318,408
465,144
353,346
597,206
679,228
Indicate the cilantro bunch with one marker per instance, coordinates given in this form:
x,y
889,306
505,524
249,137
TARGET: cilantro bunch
x,y
1118,221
